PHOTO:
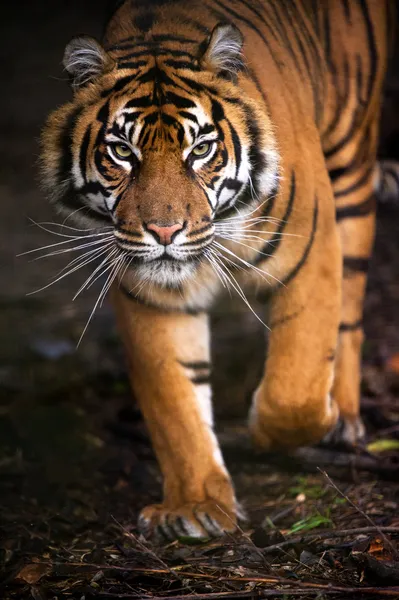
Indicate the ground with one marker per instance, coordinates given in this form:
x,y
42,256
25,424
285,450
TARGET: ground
x,y
76,464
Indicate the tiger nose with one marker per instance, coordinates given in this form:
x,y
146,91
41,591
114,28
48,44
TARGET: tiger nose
x,y
164,234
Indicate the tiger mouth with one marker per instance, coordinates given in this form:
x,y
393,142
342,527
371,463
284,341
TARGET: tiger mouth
x,y
164,259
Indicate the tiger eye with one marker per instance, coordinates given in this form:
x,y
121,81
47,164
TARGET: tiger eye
x,y
201,149
122,151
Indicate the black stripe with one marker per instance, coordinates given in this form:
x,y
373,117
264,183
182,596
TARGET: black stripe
x,y
347,137
372,48
285,39
201,241
355,186
173,38
161,52
65,144
256,157
83,152
133,41
356,264
118,86
201,230
229,13
144,21
347,10
236,145
179,101
359,159
181,64
259,17
266,249
73,202
357,210
132,65
140,102
196,365
342,99
350,326
373,58
295,26
189,116
309,245
286,318
201,379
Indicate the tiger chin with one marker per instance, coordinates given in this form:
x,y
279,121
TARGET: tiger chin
x,y
211,145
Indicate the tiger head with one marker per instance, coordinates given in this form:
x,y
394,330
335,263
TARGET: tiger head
x,y
160,145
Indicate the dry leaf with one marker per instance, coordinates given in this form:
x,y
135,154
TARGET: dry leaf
x,y
34,572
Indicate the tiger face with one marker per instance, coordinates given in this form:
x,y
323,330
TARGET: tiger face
x,y
157,155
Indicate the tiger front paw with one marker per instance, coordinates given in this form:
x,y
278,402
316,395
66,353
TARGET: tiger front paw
x,y
198,521
286,425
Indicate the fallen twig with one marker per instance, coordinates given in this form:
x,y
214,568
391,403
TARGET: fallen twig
x,y
331,458
324,535
361,512
311,458
147,550
254,594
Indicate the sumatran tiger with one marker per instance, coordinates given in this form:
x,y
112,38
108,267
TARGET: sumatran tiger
x,y
212,144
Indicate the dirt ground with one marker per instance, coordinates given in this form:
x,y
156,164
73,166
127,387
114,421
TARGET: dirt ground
x,y
76,464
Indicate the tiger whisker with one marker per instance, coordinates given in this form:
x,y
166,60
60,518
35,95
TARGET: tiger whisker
x,y
128,263
250,231
74,212
68,241
97,273
74,248
247,245
98,301
59,277
236,286
85,258
47,230
118,264
63,226
247,264
248,222
222,280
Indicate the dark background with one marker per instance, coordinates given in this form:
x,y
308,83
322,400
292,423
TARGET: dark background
x,y
73,450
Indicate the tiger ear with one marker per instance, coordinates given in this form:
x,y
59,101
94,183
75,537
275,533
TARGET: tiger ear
x,y
85,59
223,50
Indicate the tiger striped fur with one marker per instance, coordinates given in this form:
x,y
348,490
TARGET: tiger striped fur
x,y
228,144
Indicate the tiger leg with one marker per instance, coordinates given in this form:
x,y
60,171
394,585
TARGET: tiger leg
x,y
293,405
356,223
168,359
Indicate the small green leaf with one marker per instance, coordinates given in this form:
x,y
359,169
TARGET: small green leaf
x,y
339,500
383,446
310,523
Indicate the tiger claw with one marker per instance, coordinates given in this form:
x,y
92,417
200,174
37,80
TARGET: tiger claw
x,y
347,432
196,521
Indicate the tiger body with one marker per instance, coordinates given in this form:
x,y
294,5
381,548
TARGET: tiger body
x,y
228,145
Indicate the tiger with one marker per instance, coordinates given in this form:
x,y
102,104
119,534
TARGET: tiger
x,y
227,145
